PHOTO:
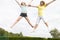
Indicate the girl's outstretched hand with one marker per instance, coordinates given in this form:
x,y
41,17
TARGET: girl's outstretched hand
x,y
29,5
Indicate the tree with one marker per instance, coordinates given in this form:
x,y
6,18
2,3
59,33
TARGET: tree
x,y
55,33
9,34
1,32
21,35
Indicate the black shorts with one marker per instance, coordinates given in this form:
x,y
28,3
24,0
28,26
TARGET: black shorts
x,y
23,14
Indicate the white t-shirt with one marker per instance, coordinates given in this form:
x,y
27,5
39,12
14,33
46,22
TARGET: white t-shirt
x,y
23,9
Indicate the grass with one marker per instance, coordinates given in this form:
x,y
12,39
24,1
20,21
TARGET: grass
x,y
26,38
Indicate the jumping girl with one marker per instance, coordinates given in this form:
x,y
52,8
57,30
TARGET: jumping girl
x,y
41,7
23,13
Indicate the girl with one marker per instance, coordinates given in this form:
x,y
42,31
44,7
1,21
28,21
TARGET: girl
x,y
40,12
23,13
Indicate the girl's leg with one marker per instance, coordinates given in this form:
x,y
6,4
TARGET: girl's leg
x,y
28,21
37,22
36,25
45,22
16,21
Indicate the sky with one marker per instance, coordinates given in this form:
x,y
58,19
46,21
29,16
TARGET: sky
x,y
10,10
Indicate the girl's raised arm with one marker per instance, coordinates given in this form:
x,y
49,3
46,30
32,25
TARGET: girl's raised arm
x,y
50,2
18,3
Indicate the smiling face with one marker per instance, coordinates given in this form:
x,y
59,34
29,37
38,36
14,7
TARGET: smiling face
x,y
42,3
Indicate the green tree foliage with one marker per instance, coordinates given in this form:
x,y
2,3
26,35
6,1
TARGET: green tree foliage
x,y
21,34
1,32
4,33
55,33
